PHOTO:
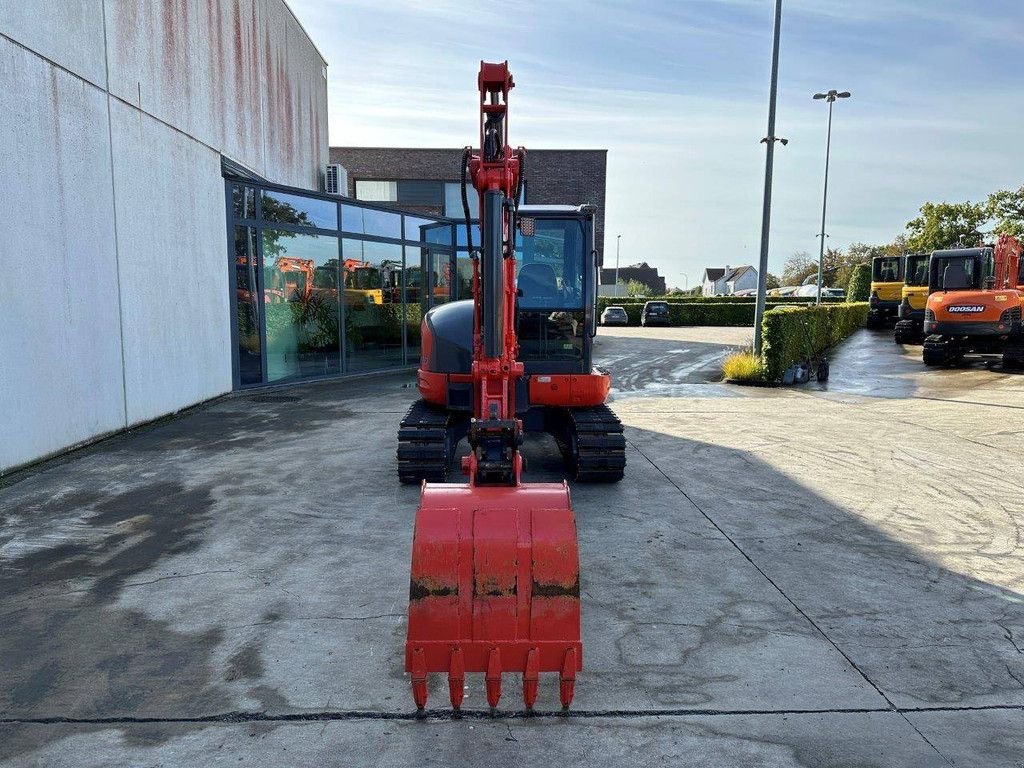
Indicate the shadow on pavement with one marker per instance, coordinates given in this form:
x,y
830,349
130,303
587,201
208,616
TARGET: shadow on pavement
x,y
921,634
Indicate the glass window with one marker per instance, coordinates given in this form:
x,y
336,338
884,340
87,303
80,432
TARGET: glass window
x,y
549,267
416,227
377,191
464,276
300,294
413,311
440,233
917,270
247,306
956,273
244,202
300,211
550,336
461,234
372,279
370,221
421,192
453,201
887,270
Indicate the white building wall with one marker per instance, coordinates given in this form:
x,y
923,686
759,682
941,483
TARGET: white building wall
x,y
119,312
60,343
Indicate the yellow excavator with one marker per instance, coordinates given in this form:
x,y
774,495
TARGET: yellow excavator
x,y
886,290
910,325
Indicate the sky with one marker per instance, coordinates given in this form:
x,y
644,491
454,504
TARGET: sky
x,y
677,92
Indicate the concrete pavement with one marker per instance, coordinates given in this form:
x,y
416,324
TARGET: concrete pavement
x,y
828,575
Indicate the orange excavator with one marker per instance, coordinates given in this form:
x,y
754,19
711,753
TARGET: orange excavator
x,y
495,579
975,297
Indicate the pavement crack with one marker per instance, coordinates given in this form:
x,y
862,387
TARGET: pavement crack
x,y
1009,636
320,716
168,578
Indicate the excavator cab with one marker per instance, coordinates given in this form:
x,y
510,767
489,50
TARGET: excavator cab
x,y
886,289
915,294
557,288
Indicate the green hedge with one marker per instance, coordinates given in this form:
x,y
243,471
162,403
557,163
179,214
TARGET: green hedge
x,y
791,334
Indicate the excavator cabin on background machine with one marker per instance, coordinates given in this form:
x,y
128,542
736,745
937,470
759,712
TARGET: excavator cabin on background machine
x,y
910,324
886,290
495,581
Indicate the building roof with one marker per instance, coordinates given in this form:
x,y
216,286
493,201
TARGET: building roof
x,y
713,273
736,272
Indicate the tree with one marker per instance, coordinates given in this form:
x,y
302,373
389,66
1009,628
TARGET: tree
x,y
636,288
1007,208
942,225
771,281
859,287
798,268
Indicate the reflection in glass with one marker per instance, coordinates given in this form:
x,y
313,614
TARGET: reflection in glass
x,y
461,230
370,221
550,336
244,201
299,210
372,276
416,227
439,234
412,282
247,301
436,288
463,277
453,207
300,293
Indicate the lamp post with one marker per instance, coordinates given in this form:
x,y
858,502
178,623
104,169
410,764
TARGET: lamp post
x,y
766,211
618,242
686,282
830,97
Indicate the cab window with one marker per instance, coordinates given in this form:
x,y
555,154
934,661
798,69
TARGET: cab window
x,y
887,270
549,263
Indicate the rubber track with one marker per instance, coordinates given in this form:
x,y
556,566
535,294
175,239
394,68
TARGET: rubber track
x,y
424,444
600,455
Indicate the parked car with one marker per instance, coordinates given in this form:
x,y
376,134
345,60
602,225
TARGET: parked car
x,y
834,293
655,313
614,316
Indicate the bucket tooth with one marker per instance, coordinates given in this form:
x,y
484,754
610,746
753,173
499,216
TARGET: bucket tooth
x,y
456,679
531,676
419,679
567,678
493,678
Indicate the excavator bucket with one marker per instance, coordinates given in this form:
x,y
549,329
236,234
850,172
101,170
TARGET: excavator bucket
x,y
495,588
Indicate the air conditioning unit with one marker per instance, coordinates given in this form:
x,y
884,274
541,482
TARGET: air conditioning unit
x,y
336,180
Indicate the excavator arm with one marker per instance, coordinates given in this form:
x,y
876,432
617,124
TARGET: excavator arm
x,y
495,583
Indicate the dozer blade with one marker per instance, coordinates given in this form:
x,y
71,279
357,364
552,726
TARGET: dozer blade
x,y
495,588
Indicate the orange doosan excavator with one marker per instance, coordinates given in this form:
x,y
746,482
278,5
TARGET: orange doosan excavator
x,y
495,582
975,296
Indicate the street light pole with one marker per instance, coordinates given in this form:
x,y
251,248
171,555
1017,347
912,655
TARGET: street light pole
x,y
618,242
766,212
831,97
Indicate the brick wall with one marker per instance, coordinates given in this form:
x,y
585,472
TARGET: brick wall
x,y
553,176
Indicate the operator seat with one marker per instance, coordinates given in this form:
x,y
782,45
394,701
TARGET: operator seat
x,y
539,286
954,277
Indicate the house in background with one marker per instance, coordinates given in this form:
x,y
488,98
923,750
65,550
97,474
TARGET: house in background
x,y
641,273
728,281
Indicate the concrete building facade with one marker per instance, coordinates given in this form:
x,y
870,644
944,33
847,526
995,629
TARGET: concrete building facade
x,y
427,180
117,116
